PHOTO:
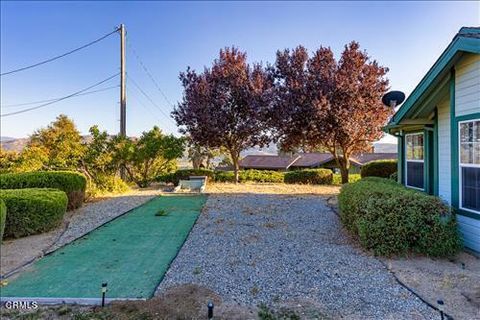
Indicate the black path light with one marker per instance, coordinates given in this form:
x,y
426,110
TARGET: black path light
x,y
210,310
393,98
104,291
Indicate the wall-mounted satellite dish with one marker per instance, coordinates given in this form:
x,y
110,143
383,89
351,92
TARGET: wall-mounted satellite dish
x,y
393,98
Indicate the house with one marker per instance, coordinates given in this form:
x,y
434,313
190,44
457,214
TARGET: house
x,y
438,131
308,160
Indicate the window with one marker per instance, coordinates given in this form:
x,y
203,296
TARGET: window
x,y
414,160
469,154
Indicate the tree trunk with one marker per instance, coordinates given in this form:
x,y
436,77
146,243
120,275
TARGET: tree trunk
x,y
235,157
344,166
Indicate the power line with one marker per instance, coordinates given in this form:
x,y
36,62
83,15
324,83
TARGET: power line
x,y
60,56
49,100
144,105
148,97
144,67
60,99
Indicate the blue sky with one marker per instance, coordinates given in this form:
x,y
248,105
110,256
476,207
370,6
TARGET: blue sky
x,y
407,37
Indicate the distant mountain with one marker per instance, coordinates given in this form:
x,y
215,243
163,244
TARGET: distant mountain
x,y
268,150
380,147
13,144
3,139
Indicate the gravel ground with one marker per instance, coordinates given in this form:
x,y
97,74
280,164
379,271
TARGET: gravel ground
x,y
17,252
281,250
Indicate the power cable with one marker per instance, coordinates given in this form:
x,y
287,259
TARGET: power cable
x,y
60,56
48,100
144,67
60,99
148,97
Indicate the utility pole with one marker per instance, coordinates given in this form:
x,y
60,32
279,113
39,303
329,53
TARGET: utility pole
x,y
123,94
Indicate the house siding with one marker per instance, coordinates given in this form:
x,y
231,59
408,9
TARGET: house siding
x,y
444,155
467,85
467,101
470,231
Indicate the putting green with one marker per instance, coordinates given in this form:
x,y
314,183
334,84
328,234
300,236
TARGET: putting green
x,y
131,253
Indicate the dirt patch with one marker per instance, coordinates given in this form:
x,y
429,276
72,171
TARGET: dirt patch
x,y
182,302
455,281
272,188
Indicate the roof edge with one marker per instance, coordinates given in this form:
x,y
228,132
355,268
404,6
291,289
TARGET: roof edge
x,y
459,43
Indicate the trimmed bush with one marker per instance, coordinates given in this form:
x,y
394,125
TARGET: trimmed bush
x,y
183,174
391,219
32,211
262,176
352,177
269,176
379,168
309,176
72,183
3,215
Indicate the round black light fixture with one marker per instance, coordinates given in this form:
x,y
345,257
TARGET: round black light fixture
x,y
393,98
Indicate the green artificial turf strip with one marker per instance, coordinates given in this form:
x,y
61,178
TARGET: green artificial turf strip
x,y
130,253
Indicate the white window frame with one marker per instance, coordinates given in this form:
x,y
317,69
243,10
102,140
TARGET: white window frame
x,y
460,166
418,161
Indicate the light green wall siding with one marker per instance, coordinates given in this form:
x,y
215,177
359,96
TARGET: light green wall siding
x,y
444,154
467,85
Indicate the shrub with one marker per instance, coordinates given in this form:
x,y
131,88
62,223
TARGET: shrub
x,y
263,176
352,177
183,174
379,168
225,176
309,176
32,211
72,183
391,219
106,184
3,215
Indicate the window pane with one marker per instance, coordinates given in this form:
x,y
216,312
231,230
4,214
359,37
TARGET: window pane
x,y
409,147
470,142
414,146
471,188
415,174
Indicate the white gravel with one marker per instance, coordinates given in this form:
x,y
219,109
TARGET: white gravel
x,y
276,248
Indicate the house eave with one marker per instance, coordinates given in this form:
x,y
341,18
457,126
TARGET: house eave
x,y
436,77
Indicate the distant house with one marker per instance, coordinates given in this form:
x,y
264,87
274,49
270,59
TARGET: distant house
x,y
438,131
308,160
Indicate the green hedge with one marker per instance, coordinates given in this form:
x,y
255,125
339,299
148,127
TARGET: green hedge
x,y
352,177
265,176
3,215
379,168
72,183
32,211
309,176
391,219
183,174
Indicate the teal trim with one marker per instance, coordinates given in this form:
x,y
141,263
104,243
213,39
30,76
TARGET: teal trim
x,y
436,178
401,159
453,142
458,44
428,160
468,214
467,117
